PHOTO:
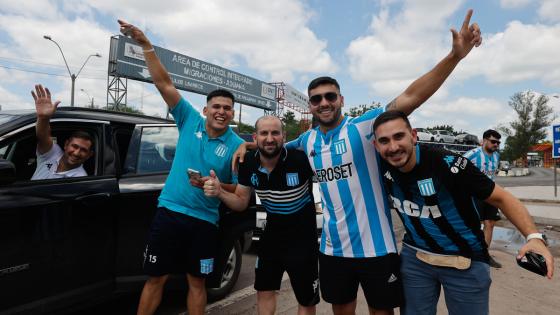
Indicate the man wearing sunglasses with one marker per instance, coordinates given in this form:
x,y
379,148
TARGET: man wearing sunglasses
x,y
357,244
487,159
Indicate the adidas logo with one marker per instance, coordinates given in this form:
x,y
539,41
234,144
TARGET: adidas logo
x,y
392,278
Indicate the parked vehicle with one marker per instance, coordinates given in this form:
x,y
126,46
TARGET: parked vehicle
x,y
261,214
444,136
505,166
467,138
68,242
424,135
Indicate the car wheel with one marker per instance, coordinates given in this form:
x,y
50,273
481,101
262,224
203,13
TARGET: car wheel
x,y
417,138
440,140
432,139
229,275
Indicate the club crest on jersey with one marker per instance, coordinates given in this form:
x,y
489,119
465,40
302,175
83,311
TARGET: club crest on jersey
x,y
292,179
255,180
221,150
426,187
339,147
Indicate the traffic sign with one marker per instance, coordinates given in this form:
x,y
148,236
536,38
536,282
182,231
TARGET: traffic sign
x,y
556,141
190,74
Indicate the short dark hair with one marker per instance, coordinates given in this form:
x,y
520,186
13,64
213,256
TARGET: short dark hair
x,y
220,92
389,116
82,135
320,81
491,133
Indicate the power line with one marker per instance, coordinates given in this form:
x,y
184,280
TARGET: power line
x,y
51,74
44,63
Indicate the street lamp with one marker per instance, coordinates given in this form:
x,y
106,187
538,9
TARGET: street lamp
x,y
72,76
89,97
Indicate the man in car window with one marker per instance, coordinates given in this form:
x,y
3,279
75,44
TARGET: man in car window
x,y
487,159
52,161
183,235
283,181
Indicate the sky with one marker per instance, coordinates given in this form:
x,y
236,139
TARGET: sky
x,y
374,48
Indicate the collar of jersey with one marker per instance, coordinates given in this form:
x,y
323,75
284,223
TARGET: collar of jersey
x,y
283,157
329,134
222,138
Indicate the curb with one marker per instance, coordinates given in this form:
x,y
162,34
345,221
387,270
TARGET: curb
x,y
546,221
546,201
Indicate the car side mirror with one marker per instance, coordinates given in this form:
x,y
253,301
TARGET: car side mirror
x,y
7,172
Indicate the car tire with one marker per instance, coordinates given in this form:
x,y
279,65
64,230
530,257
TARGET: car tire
x,y
229,275
432,139
441,140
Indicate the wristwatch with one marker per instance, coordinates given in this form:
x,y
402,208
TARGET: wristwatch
x,y
539,236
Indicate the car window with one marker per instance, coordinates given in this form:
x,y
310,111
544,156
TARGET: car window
x,y
20,149
157,149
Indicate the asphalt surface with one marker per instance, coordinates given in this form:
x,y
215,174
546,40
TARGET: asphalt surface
x,y
538,176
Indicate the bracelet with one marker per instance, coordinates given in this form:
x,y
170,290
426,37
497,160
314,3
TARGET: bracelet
x,y
539,236
148,50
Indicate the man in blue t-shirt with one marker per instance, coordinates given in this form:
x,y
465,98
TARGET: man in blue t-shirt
x,y
183,235
487,159
432,190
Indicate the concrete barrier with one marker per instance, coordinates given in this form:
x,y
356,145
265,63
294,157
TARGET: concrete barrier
x,y
525,171
511,173
502,173
518,173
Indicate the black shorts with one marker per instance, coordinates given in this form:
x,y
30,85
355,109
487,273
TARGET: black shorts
x,y
380,278
179,244
488,211
302,270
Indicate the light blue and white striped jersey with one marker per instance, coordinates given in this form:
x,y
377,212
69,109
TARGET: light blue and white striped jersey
x,y
356,215
488,164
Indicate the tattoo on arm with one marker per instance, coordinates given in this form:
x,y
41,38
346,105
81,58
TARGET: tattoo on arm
x,y
392,105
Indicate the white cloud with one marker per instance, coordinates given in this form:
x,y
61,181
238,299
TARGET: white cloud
x,y
270,37
550,10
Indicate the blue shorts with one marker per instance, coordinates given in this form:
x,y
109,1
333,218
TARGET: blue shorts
x,y
179,244
466,291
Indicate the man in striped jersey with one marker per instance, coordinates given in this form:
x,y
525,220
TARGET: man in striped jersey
x,y
357,245
432,190
487,159
283,181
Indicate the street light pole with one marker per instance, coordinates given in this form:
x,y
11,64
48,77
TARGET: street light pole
x,y
89,97
72,76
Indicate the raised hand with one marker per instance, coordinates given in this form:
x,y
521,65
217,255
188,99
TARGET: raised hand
x,y
43,103
135,33
468,37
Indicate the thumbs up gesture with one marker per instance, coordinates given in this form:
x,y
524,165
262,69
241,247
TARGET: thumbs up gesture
x,y
212,186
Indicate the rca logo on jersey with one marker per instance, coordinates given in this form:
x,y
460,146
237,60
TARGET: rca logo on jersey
x,y
426,187
334,173
292,179
411,209
339,147
221,150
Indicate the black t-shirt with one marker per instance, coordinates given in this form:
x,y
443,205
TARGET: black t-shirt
x,y
287,195
435,201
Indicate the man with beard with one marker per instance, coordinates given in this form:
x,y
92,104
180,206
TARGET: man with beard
x,y
487,159
183,235
283,181
431,190
357,246
52,161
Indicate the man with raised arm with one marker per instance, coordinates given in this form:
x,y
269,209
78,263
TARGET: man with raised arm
x,y
357,245
432,191
283,181
183,235
52,161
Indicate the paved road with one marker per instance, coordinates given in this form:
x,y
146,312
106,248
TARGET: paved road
x,y
538,177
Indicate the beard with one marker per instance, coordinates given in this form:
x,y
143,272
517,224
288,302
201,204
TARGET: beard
x,y
270,154
332,122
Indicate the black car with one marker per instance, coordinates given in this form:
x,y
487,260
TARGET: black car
x,y
66,242
467,138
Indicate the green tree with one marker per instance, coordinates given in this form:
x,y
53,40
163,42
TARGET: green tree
x,y
291,125
534,115
443,127
362,108
125,109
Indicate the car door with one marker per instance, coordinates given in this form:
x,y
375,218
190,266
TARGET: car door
x,y
56,235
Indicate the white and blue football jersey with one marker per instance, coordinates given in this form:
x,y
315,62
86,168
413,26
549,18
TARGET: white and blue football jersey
x,y
356,215
488,164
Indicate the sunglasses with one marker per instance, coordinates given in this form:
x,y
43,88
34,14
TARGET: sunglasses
x,y
495,142
317,98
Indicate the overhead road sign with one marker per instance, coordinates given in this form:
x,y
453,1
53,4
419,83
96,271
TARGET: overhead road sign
x,y
126,59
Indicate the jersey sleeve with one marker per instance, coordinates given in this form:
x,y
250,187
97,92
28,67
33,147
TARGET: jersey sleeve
x,y
296,144
184,114
474,182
